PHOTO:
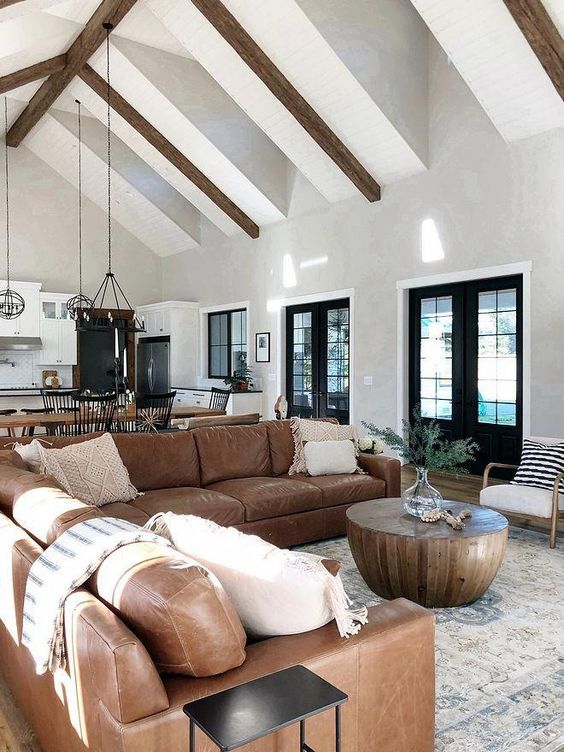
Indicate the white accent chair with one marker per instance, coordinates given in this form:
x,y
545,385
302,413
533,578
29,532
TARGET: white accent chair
x,y
528,502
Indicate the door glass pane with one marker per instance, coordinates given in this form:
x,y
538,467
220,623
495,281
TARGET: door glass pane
x,y
497,357
436,357
49,309
302,361
337,359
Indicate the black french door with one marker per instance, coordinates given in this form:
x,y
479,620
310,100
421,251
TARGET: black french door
x,y
465,363
317,360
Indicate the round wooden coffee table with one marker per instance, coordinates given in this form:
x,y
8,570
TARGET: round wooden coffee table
x,y
429,563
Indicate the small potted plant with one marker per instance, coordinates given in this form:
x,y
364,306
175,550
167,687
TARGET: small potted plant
x,y
241,379
423,446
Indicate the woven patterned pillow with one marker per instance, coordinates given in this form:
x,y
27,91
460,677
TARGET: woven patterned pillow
x,y
540,464
304,430
91,471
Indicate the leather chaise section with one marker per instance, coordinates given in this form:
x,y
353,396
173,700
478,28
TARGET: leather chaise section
x,y
344,489
203,502
264,498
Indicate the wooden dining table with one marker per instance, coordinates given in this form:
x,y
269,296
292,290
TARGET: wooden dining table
x,y
43,420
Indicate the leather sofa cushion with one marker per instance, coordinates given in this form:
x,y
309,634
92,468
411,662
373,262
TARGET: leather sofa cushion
x,y
264,498
345,489
184,617
202,502
166,460
232,452
281,445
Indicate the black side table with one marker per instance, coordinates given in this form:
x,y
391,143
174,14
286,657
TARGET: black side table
x,y
251,711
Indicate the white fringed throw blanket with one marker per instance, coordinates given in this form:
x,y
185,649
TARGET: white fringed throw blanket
x,y
60,569
275,591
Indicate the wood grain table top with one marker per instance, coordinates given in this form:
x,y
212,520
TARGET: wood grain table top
x,y
388,516
20,420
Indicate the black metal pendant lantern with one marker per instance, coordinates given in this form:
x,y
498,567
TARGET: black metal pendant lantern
x,y
12,304
80,303
110,295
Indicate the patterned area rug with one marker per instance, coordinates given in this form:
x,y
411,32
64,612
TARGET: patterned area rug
x,y
500,660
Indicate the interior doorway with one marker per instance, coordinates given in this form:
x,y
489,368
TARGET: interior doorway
x,y
318,359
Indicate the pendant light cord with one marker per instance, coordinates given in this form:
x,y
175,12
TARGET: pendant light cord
x,y
79,200
108,29
7,192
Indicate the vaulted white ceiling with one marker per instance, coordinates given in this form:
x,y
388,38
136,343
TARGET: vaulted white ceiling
x,y
494,58
361,65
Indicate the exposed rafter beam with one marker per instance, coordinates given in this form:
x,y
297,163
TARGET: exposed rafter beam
x,y
6,3
245,46
541,33
88,41
32,73
169,151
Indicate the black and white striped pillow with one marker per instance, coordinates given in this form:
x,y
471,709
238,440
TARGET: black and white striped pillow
x,y
540,464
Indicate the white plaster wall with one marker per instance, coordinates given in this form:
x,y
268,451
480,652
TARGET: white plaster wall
x,y
492,204
44,236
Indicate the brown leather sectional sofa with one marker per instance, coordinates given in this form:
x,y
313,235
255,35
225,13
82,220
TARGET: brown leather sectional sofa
x,y
112,697
234,475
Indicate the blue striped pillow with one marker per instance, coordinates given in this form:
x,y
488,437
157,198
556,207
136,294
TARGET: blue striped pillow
x,y
540,464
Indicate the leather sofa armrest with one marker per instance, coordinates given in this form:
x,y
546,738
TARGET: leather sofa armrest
x,y
386,468
10,457
110,661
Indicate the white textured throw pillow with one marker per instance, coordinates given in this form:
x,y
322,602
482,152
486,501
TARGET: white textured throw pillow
x,y
305,430
330,457
31,455
91,471
275,591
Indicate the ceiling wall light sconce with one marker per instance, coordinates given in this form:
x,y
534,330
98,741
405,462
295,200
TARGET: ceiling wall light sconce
x,y
12,304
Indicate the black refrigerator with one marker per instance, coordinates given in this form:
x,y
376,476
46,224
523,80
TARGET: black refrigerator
x,y
153,365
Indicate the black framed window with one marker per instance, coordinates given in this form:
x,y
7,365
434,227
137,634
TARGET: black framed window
x,y
227,342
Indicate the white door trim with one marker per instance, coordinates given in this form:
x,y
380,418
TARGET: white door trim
x,y
319,297
489,272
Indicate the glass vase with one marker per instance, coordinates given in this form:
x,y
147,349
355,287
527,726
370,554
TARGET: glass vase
x,y
421,497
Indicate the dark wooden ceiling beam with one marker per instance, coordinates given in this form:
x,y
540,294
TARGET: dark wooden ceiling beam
x,y
84,46
245,46
6,3
169,151
543,37
32,73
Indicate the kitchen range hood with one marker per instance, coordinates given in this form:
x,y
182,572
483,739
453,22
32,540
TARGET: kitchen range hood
x,y
20,343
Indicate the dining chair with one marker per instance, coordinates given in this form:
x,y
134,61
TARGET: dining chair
x,y
219,398
93,414
60,401
152,411
30,431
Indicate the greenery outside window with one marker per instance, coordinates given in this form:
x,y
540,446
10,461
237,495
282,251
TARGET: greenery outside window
x,y
227,342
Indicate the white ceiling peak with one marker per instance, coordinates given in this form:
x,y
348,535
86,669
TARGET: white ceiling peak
x,y
55,145
494,58
167,118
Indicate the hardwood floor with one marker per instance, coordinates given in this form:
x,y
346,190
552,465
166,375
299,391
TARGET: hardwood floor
x,y
466,488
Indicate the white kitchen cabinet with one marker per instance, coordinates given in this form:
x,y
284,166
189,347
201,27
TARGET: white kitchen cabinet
x,y
26,325
157,321
58,331
59,343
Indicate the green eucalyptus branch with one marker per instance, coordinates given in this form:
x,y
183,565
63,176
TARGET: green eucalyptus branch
x,y
423,446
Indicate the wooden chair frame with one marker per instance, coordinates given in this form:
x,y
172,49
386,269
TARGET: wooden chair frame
x,y
555,514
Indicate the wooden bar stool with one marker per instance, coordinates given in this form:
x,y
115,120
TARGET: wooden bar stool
x,y
32,411
9,411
